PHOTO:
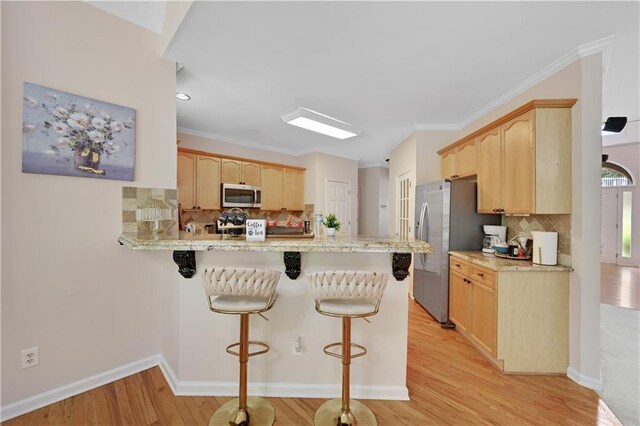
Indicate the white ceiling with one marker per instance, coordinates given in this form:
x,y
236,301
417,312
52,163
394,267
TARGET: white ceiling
x,y
381,66
147,14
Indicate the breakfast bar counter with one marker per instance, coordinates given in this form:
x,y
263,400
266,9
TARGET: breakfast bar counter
x,y
195,343
184,246
208,242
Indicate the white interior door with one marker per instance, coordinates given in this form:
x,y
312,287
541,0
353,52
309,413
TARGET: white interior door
x,y
339,203
608,231
403,213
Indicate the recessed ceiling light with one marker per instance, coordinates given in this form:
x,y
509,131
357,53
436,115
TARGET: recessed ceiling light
x,y
182,96
320,123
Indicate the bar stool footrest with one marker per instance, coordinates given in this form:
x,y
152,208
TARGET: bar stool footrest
x,y
251,342
363,350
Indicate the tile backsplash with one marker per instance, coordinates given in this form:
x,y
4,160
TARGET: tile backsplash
x,y
132,199
202,217
560,223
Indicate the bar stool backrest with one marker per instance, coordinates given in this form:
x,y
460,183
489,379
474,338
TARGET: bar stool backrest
x,y
240,282
347,285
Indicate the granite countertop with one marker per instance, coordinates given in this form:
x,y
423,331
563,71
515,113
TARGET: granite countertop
x,y
205,242
498,264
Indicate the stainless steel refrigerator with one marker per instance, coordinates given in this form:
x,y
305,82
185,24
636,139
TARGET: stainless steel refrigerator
x,y
446,218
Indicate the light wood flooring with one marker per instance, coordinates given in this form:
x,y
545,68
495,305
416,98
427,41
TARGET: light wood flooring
x,y
620,286
449,382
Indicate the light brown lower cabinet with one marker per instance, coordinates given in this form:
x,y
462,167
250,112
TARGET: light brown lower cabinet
x,y
518,319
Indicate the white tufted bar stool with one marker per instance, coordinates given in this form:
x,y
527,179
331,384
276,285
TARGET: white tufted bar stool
x,y
346,295
242,291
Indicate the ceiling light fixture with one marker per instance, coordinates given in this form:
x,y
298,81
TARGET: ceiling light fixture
x,y
182,96
320,123
613,125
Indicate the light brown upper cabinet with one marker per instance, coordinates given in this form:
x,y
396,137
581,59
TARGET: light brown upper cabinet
x,y
200,174
525,164
187,180
461,161
282,188
208,183
294,189
243,172
198,181
490,172
272,187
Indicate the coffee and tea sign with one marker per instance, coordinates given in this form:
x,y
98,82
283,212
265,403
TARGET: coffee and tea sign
x,y
256,229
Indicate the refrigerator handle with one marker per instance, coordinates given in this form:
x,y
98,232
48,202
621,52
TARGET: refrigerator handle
x,y
421,221
424,220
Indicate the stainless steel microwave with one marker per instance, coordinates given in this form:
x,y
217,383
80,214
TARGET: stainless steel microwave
x,y
247,196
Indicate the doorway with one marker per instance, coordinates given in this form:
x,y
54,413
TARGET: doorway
x,y
619,244
339,203
403,209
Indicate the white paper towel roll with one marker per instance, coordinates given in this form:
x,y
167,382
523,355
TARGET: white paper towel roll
x,y
545,248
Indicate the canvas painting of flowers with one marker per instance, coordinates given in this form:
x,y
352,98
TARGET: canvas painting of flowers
x,y
66,134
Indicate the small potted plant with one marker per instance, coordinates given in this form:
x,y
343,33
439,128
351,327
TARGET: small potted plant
x,y
332,224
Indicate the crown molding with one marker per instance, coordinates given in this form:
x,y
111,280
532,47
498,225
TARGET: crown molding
x,y
369,165
235,141
259,146
434,127
602,45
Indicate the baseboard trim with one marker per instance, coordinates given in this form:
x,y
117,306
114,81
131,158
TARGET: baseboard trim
x,y
189,388
46,398
279,390
586,381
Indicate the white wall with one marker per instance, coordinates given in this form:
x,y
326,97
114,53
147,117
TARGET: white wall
x,y
67,286
206,368
383,200
627,155
373,193
429,166
402,159
324,167
207,144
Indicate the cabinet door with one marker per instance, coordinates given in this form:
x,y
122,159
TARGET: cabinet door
x,y
468,159
294,195
459,294
519,159
251,173
208,183
272,187
231,171
490,172
187,180
483,316
449,164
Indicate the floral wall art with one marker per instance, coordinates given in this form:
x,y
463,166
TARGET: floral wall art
x,y
66,134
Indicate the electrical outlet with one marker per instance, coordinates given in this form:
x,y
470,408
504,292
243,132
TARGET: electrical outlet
x,y
298,347
30,357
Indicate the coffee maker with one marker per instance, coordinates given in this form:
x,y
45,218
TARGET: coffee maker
x,y
494,235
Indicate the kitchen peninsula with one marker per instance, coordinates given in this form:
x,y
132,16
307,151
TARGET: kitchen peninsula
x,y
198,341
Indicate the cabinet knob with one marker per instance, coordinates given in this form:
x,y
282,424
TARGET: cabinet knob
x,y
495,210
480,274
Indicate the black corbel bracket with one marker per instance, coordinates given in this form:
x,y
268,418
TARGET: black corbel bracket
x,y
400,265
292,264
186,261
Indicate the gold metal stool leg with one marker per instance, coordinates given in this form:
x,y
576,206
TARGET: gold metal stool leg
x,y
244,411
345,411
